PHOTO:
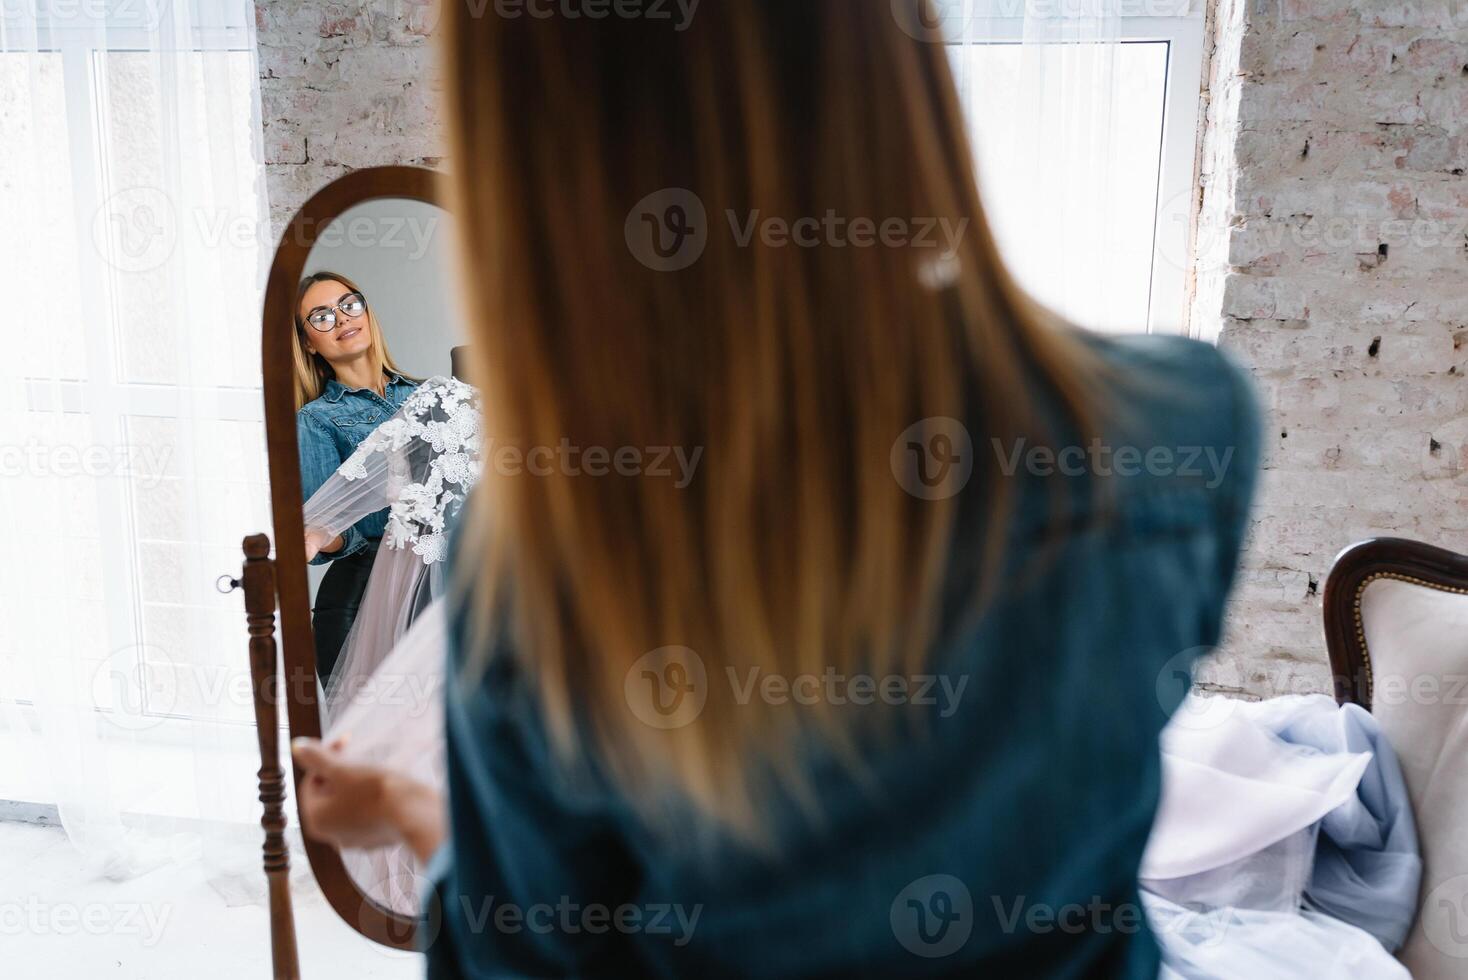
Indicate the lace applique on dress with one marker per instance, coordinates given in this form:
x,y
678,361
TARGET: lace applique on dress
x,y
427,484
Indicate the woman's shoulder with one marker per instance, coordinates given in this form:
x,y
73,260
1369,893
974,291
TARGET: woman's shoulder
x,y
1176,437
1163,358
312,411
1176,392
318,414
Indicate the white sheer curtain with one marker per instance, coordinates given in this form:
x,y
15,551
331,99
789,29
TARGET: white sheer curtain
x,y
132,194
1066,101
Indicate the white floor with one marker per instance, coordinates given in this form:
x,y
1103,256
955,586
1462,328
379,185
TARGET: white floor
x,y
60,922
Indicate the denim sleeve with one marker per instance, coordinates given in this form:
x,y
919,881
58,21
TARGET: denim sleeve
x,y
319,460
516,853
515,846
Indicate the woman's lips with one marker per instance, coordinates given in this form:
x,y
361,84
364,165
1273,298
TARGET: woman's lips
x,y
349,333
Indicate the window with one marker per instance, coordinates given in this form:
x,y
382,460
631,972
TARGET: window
x,y
1092,213
130,158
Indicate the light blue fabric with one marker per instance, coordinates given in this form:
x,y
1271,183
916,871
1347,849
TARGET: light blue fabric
x,y
1367,863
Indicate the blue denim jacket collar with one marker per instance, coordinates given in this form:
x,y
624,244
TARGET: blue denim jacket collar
x,y
335,389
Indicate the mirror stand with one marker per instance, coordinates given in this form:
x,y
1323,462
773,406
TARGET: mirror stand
x,y
257,579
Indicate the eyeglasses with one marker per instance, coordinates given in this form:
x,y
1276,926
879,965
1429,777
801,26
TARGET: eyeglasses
x,y
323,318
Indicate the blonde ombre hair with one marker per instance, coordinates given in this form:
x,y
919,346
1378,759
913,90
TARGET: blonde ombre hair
x,y
795,549
312,371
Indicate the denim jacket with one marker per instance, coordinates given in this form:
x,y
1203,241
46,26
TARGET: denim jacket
x,y
329,430
1001,839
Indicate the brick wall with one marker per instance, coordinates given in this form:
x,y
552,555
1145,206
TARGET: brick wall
x,y
342,86
1333,259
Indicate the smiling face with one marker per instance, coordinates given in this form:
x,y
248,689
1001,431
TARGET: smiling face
x,y
349,339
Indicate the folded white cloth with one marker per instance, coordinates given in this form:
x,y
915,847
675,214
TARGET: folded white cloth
x,y
1265,825
1248,944
1233,788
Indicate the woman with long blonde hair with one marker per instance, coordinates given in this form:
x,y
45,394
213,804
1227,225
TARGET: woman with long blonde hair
x,y
346,385
827,638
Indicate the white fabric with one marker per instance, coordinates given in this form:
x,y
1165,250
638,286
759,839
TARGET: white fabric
x,y
1232,850
1232,789
418,465
396,721
1417,638
1250,944
132,195
385,695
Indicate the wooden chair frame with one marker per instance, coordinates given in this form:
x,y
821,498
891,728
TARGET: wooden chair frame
x,y
1354,569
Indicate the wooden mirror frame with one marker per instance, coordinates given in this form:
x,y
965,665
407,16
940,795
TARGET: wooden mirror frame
x,y
369,917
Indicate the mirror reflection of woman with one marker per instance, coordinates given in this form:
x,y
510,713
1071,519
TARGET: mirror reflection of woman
x,y
610,740
346,385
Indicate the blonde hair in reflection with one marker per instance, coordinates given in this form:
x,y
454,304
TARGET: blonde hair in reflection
x,y
312,371
794,549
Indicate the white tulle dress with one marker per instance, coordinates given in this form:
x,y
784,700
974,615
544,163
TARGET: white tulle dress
x,y
385,694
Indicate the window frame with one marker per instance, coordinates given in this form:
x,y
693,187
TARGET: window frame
x,y
82,38
1184,35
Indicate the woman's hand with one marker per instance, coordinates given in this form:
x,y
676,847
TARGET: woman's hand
x,y
317,541
359,806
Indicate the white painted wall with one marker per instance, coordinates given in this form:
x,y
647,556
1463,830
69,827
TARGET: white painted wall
x,y
399,252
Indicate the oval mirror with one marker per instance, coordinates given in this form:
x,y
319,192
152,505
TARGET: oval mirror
x,y
358,313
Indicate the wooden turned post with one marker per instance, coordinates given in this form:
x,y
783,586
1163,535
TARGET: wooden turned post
x,y
258,580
